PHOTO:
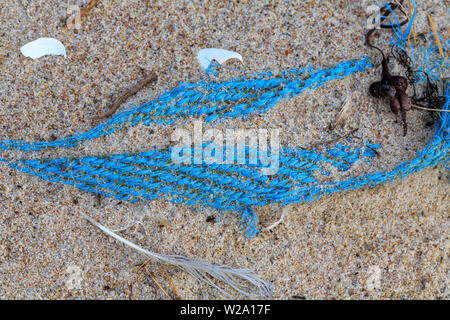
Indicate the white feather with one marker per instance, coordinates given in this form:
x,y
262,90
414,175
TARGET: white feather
x,y
241,280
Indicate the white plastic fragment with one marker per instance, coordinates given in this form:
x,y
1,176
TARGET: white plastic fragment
x,y
42,47
206,56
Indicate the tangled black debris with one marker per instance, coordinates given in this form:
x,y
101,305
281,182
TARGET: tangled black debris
x,y
394,87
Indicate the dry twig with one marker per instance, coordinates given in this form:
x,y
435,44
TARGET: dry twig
x,y
152,77
157,283
436,36
429,109
83,12
170,280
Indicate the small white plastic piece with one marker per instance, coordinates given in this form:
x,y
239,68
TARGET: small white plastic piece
x,y
42,47
206,56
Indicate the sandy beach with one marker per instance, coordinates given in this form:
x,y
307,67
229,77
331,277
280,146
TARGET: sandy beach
x,y
386,242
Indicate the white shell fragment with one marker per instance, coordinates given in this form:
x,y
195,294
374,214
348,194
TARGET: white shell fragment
x,y
206,56
42,47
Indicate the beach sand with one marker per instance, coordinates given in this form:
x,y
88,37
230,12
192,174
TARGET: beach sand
x,y
390,241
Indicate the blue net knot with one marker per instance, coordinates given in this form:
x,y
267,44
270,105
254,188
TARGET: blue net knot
x,y
249,222
213,68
